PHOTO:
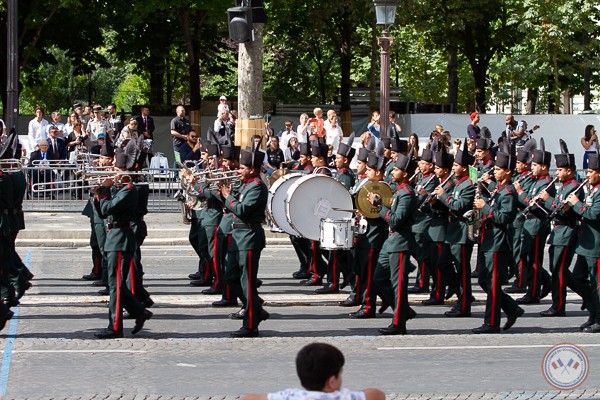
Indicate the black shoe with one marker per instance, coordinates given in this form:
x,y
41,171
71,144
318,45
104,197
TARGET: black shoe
x,y
239,314
126,315
384,306
244,332
312,282
259,283
327,290
432,302
545,291
362,314
511,319
264,315
455,313
393,330
475,274
148,302
552,312
349,302
91,277
98,283
300,274
108,334
345,281
200,282
103,292
211,290
515,289
587,323
9,314
449,293
12,302
527,299
225,303
486,329
196,276
416,289
412,314
595,328
139,321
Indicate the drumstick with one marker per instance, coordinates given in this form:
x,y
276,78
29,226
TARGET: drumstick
x,y
344,209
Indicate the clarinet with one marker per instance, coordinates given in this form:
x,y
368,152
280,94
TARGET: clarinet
x,y
563,203
535,203
431,195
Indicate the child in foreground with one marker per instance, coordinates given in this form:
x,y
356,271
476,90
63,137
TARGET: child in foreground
x,y
319,367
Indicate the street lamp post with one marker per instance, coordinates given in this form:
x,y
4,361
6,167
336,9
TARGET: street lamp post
x,y
385,11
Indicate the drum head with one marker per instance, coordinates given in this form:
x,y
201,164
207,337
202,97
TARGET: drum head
x,y
313,198
276,202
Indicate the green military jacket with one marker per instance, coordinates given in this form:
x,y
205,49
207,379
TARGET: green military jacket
x,y
564,232
358,184
119,207
248,207
526,180
140,228
439,216
19,186
346,177
7,205
423,220
388,178
536,223
496,215
400,217
213,212
459,200
588,235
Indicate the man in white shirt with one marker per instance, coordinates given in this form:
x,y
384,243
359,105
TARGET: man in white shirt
x,y
37,129
333,130
55,121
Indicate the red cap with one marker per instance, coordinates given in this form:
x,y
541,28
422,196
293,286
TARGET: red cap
x,y
473,115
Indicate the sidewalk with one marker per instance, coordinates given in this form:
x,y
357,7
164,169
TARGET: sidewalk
x,y
51,229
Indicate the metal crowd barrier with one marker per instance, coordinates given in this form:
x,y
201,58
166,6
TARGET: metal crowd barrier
x,y
57,187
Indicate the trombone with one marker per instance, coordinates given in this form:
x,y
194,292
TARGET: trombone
x,y
218,178
11,165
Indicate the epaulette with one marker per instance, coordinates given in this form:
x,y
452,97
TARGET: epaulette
x,y
257,181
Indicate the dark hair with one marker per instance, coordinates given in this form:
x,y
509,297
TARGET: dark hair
x,y
588,132
317,362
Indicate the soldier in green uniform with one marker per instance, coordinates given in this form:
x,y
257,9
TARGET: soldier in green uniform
x,y
118,206
231,162
302,246
422,250
248,239
496,214
361,171
369,246
588,244
536,228
6,231
563,237
340,260
393,264
515,231
484,162
459,201
437,228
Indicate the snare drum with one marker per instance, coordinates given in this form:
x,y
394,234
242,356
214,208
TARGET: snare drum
x,y
337,234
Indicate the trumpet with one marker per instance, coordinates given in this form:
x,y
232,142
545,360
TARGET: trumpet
x,y
218,178
11,165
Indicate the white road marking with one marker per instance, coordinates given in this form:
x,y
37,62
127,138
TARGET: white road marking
x,y
79,351
186,365
524,346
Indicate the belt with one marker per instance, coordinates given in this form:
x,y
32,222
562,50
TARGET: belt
x,y
236,225
119,224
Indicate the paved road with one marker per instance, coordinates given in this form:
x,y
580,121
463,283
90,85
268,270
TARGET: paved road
x,y
185,351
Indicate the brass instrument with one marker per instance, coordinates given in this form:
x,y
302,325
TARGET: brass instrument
x,y
94,178
381,190
11,165
474,217
218,178
431,195
276,175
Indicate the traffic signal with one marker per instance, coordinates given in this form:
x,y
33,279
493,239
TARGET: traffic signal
x,y
240,24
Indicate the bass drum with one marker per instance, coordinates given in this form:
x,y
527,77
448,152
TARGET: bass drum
x,y
313,198
276,203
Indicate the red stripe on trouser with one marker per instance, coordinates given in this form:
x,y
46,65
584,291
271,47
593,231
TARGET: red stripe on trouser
x,y
561,280
535,267
118,305
438,274
334,269
357,290
422,280
250,284
520,284
463,261
494,294
399,297
132,275
216,257
97,265
369,280
206,270
598,274
313,263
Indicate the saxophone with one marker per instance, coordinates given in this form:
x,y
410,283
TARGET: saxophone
x,y
474,218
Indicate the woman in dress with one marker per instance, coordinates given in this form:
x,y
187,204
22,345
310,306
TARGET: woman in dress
x,y
589,141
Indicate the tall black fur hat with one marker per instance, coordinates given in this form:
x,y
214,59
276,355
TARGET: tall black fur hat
x,y
541,156
463,157
564,159
253,158
346,149
319,149
525,153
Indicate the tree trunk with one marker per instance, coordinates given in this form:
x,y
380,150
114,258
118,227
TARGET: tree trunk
x,y
480,77
191,27
587,90
551,95
345,65
250,76
532,97
157,74
373,72
452,68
